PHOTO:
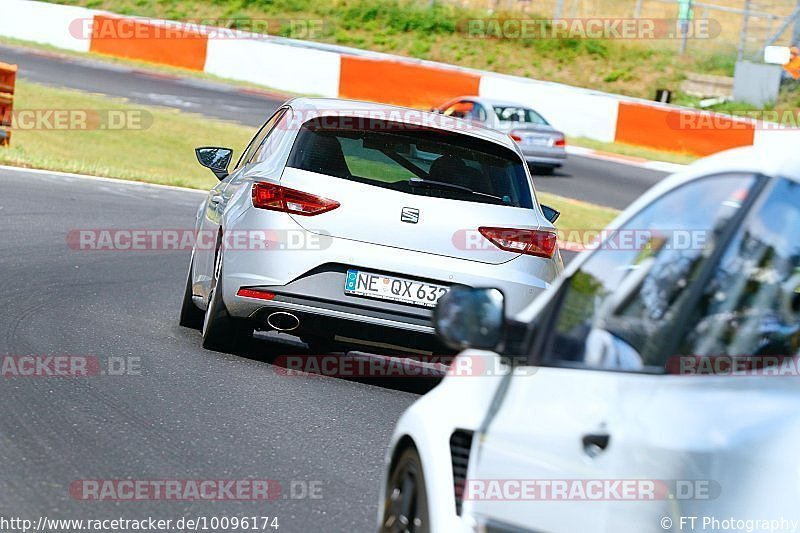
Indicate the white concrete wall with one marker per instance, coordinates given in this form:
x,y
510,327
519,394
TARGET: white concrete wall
x,y
779,139
65,27
284,67
575,111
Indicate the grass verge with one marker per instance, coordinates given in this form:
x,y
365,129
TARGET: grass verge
x,y
577,215
154,144
157,146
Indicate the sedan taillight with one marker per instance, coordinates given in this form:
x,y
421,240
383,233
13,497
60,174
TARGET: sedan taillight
x,y
523,241
279,198
561,142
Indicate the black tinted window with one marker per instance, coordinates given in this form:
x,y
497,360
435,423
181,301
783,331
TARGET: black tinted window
x,y
751,307
617,308
412,159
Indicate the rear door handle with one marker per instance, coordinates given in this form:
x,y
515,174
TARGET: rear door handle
x,y
595,443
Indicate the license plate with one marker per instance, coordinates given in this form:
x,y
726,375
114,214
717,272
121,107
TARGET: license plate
x,y
536,141
391,288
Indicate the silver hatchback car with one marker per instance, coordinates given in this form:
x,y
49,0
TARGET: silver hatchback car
x,y
344,222
544,147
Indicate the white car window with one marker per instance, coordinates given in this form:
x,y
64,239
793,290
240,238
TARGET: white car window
x,y
249,155
614,310
751,307
478,112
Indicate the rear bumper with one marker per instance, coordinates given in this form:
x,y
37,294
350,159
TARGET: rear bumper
x,y
545,161
309,282
379,331
552,156
325,311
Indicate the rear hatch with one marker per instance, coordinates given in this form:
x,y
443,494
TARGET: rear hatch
x,y
377,215
411,187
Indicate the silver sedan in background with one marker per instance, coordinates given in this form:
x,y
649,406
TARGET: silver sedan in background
x,y
544,147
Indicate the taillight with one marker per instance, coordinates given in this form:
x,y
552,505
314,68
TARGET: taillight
x,y
523,241
516,136
255,293
560,141
278,198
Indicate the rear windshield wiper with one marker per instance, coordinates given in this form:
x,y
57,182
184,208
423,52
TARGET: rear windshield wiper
x,y
433,184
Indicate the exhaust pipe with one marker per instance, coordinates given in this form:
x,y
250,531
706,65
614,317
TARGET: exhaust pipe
x,y
283,321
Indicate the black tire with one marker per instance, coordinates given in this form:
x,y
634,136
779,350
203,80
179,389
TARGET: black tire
x,y
191,315
406,506
543,171
221,331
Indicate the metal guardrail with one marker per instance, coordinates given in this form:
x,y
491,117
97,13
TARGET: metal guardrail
x,y
8,78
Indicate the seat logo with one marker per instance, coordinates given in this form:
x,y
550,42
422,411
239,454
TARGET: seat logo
x,y
410,215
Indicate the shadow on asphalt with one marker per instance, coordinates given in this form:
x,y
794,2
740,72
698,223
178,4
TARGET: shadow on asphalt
x,y
557,173
290,354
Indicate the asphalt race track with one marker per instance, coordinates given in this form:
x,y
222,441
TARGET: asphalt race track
x,y
177,411
588,179
188,413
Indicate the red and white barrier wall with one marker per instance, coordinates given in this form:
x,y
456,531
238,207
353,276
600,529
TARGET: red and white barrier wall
x,y
334,71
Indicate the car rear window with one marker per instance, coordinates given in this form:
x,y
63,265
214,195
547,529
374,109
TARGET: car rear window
x,y
412,159
519,114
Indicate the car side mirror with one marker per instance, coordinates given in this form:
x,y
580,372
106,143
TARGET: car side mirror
x,y
215,158
550,213
470,318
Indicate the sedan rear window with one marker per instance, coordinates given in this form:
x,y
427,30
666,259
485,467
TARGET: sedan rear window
x,y
412,159
519,114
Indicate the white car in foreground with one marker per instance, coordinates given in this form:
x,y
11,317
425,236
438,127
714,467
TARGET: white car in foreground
x,y
654,388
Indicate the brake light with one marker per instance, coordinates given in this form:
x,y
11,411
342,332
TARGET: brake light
x,y
560,141
279,198
523,241
255,293
516,136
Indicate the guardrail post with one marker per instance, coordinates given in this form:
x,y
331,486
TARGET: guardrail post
x,y
8,78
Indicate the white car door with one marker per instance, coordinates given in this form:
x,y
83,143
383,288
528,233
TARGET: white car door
x,y
562,432
720,430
